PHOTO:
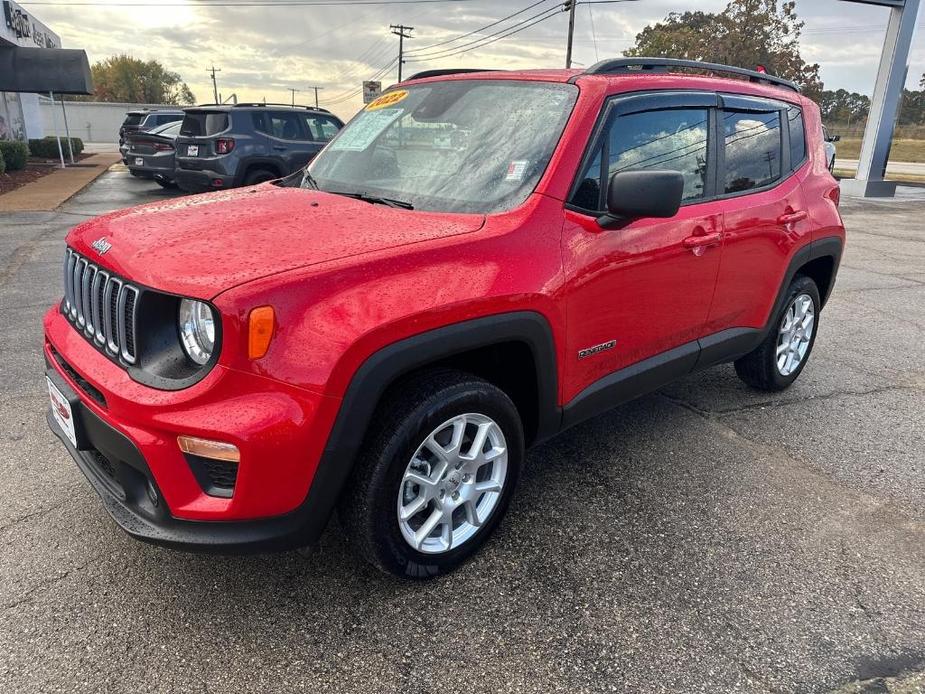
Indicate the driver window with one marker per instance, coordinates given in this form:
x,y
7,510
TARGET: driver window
x,y
668,140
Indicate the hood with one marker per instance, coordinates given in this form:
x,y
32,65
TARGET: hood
x,y
199,246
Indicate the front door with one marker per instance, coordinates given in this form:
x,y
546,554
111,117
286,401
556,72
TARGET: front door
x,y
644,289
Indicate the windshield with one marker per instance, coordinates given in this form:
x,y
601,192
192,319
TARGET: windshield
x,y
454,146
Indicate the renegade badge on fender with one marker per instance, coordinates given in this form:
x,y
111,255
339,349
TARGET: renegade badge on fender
x,y
476,262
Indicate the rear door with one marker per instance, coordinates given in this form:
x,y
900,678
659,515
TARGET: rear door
x,y
763,159
288,139
319,129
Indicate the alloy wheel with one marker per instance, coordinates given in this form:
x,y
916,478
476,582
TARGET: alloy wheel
x,y
795,334
452,484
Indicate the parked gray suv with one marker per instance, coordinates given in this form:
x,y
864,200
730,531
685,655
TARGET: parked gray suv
x,y
233,145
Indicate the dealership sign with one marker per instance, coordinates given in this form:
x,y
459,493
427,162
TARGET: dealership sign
x,y
371,91
26,30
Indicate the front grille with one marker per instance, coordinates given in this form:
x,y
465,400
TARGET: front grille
x,y
101,306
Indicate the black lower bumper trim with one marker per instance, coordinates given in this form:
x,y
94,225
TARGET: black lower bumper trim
x,y
119,474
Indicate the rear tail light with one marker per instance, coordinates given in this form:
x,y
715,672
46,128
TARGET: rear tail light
x,y
834,195
162,147
224,145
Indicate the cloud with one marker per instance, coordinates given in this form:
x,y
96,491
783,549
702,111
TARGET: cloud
x,y
264,51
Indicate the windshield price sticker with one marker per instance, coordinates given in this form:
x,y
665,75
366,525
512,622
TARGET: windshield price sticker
x,y
389,99
363,130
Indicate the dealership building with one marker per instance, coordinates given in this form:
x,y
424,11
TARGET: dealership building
x,y
19,111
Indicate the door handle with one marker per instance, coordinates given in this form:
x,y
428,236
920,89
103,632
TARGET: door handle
x,y
792,217
279,148
703,240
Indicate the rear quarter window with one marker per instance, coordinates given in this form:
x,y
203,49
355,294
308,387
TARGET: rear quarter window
x,y
133,119
204,123
797,136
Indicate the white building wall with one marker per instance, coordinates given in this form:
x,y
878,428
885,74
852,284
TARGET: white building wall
x,y
91,121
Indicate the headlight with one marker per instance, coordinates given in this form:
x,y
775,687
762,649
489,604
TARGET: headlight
x,y
197,330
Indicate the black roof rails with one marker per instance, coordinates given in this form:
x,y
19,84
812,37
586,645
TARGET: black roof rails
x,y
450,71
623,65
261,104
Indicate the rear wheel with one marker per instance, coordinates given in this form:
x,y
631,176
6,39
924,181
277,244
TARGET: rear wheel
x,y
165,183
779,360
435,476
255,176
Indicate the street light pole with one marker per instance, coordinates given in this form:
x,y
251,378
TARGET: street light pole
x,y
571,32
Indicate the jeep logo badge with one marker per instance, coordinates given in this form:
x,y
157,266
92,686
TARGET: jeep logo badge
x,y
101,245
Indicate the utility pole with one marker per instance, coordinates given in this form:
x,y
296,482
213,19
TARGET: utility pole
x,y
214,83
399,30
293,94
316,94
570,5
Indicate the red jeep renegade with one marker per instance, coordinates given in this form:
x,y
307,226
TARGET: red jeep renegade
x,y
475,263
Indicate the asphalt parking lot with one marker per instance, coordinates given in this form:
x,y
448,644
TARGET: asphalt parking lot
x,y
704,538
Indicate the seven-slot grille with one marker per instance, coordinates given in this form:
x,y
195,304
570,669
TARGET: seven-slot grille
x,y
101,306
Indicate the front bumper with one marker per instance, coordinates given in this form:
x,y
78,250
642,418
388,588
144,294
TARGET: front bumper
x,y
129,451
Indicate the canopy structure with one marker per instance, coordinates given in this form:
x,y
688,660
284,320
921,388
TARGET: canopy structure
x,y
44,70
884,105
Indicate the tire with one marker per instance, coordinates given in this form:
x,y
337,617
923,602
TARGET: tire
x,y
763,368
255,176
442,403
166,184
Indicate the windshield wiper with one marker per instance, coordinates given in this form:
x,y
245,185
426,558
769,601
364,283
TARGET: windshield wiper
x,y
375,199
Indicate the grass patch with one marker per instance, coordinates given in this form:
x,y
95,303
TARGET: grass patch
x,y
903,150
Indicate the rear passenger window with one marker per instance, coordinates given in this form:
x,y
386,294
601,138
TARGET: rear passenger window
x,y
320,128
284,125
797,136
753,149
669,140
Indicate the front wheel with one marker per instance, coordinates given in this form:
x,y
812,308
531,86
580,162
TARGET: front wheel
x,y
435,475
779,360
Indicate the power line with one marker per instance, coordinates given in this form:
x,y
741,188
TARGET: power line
x,y
476,31
509,31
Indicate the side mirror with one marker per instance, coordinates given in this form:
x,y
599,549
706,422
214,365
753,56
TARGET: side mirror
x,y
835,138
635,194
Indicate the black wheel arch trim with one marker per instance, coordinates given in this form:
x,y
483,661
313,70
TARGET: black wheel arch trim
x,y
260,161
383,367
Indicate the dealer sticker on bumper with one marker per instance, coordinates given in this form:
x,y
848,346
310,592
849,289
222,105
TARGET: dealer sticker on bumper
x,y
61,411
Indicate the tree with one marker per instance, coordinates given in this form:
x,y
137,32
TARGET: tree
x,y
747,33
126,79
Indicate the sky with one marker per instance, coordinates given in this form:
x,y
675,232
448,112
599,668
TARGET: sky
x,y
265,50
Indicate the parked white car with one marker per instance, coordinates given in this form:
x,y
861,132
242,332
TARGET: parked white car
x,y
830,141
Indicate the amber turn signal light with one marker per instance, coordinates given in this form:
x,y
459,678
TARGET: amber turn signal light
x,y
213,450
260,331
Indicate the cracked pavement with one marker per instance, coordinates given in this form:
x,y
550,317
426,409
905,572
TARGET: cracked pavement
x,y
704,538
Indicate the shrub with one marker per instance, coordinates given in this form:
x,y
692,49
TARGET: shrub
x,y
47,147
14,153
2,164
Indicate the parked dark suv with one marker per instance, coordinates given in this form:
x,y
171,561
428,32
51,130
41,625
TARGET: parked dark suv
x,y
144,120
244,144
